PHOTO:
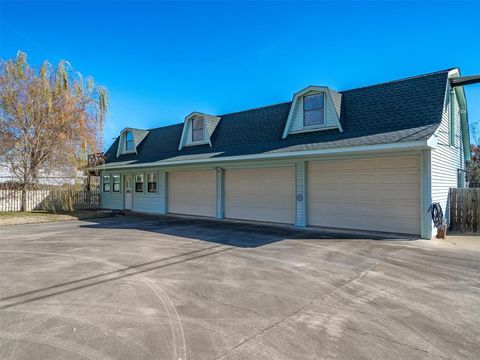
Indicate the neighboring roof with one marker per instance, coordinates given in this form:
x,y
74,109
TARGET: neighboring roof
x,y
392,112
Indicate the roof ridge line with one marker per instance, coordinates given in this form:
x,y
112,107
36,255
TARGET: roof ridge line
x,y
398,80
231,113
164,126
338,91
255,108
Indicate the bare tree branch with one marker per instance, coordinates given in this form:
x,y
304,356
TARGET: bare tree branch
x,y
49,119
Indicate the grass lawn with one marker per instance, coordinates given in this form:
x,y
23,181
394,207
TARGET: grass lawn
x,y
18,217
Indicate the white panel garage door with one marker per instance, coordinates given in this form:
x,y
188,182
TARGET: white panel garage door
x,y
380,194
191,193
260,194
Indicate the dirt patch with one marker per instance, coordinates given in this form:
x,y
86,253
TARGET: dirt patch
x,y
17,217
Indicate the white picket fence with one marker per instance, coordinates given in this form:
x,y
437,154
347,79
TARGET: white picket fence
x,y
49,200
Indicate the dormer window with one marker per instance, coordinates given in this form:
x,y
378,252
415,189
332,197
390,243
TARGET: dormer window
x,y
129,140
313,110
129,143
197,129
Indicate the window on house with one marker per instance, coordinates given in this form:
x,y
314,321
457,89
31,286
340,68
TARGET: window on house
x,y
197,129
129,143
152,183
139,183
313,106
106,183
116,183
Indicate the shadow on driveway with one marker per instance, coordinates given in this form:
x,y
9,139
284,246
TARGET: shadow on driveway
x,y
234,233
121,273
221,233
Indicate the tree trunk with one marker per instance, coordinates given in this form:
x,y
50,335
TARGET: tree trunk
x,y
23,198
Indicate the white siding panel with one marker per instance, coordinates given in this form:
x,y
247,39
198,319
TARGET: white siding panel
x,y
300,193
192,193
260,194
380,194
446,159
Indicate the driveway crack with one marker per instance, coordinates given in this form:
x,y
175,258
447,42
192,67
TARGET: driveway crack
x,y
364,332
289,315
302,308
217,301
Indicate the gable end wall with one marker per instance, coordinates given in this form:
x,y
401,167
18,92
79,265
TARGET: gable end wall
x,y
446,159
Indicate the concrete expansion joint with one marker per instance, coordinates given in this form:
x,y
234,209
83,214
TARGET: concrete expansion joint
x,y
368,333
302,308
217,301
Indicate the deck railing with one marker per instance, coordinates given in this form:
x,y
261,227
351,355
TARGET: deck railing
x,y
94,160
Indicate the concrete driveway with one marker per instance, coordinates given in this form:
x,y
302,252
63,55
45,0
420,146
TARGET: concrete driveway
x,y
165,288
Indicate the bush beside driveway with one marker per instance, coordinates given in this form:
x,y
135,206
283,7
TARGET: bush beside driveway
x,y
168,288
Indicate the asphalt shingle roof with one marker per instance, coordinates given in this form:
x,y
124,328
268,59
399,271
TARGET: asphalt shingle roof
x,y
403,110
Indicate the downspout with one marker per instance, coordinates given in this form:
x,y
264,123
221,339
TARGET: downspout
x,y
462,103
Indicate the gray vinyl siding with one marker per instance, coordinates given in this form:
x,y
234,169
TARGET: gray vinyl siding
x,y
111,200
142,202
446,159
150,202
297,116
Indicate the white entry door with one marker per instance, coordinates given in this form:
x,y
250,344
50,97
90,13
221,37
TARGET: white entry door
x,y
128,189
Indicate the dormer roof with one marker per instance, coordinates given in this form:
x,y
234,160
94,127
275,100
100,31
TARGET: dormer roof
x,y
333,104
138,136
210,123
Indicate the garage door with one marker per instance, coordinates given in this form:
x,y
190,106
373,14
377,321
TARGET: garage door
x,y
191,193
381,194
260,194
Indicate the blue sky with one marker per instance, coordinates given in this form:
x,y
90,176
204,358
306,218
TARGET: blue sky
x,y
160,60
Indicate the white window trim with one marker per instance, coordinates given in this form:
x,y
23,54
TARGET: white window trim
x,y
156,182
135,183
315,126
112,183
126,151
203,130
109,182
204,141
196,143
209,124
328,101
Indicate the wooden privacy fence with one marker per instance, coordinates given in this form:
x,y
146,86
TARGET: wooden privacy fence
x,y
49,200
465,209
